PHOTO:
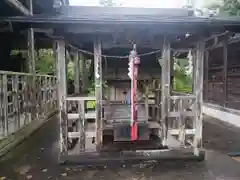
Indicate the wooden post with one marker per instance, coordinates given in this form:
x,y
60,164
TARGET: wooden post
x,y
81,106
32,70
153,88
165,86
225,67
158,100
194,70
32,63
98,91
76,74
198,79
5,103
181,120
15,85
62,93
146,101
31,54
206,62
156,117
171,72
55,58
83,72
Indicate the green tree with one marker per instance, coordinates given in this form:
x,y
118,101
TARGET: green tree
x,y
232,7
182,80
45,61
108,3
225,7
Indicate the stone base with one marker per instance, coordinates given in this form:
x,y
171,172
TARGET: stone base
x,y
131,157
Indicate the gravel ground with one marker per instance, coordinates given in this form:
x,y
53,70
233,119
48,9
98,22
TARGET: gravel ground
x,y
36,159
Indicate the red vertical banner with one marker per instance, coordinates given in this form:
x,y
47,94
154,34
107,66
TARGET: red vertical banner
x,y
134,128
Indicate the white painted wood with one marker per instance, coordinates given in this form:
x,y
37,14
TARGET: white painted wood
x,y
86,98
177,131
78,134
88,115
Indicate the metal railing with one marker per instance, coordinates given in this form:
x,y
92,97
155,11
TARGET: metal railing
x,y
25,98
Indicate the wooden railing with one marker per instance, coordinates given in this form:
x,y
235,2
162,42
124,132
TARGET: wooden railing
x,y
25,98
182,116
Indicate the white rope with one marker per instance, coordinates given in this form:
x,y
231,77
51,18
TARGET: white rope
x,y
117,57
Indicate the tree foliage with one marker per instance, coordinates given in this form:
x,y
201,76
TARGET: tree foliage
x,y
232,7
182,79
109,3
45,61
225,7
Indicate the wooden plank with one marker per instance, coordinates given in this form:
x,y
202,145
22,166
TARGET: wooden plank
x,y
177,114
183,97
81,98
177,131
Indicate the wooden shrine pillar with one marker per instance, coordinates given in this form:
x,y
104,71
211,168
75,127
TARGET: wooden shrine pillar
x,y
30,44
225,68
171,72
76,74
146,93
98,91
83,71
198,92
165,88
31,64
62,94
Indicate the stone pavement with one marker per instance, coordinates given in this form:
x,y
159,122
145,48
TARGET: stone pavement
x,y
36,159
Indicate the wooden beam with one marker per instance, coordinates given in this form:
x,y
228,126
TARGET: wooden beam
x,y
18,6
121,41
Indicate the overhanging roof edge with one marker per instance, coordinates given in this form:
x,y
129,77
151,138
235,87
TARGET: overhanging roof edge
x,y
45,19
